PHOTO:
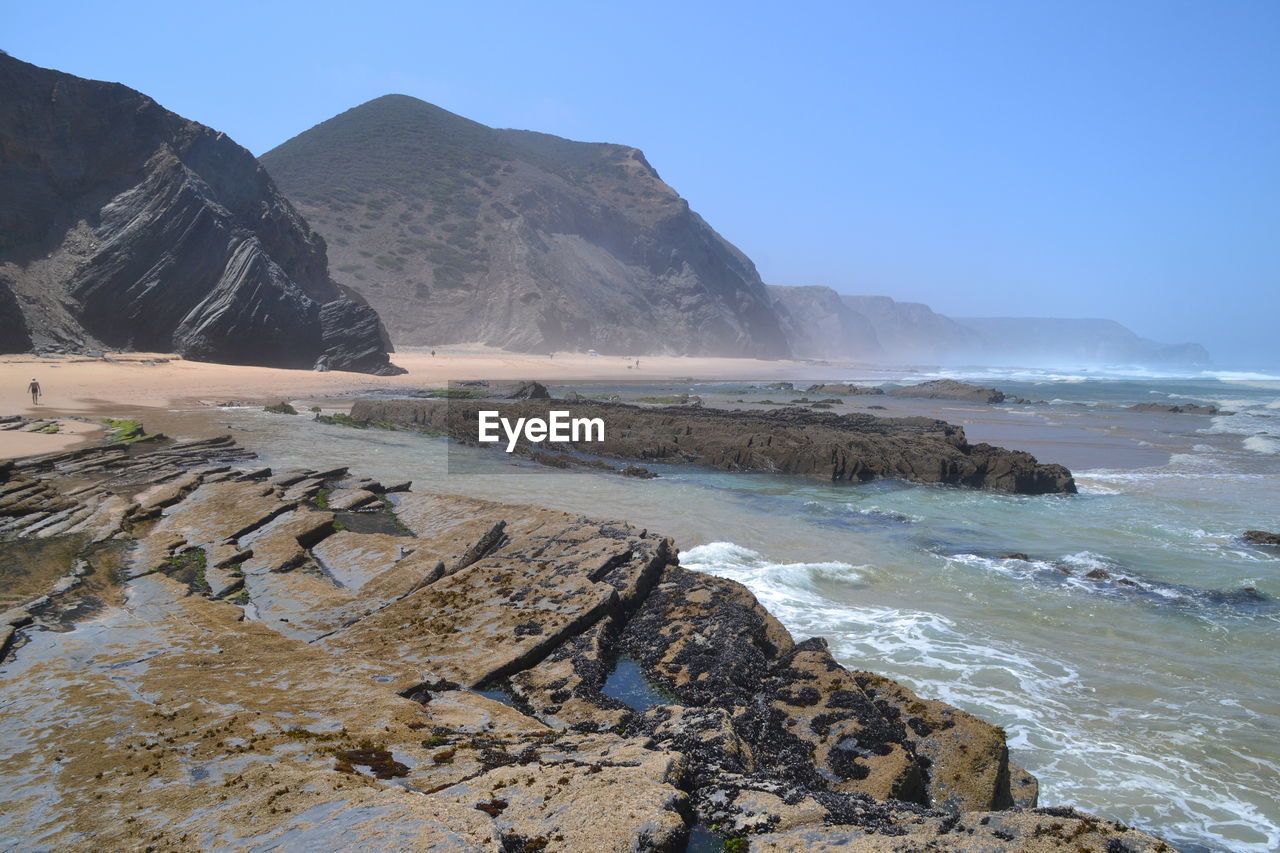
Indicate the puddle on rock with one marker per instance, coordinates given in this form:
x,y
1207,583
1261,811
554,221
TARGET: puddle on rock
x,y
500,693
628,685
30,567
703,840
369,521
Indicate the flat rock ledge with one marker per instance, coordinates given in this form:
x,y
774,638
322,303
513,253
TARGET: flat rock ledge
x,y
841,448
950,389
237,665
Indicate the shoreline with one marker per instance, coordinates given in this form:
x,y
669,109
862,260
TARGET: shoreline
x,y
154,384
76,386
750,735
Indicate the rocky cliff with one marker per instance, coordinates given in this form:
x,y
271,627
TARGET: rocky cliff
x,y
123,225
819,324
455,231
913,332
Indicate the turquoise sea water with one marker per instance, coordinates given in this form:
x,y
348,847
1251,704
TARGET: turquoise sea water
x,y
1148,693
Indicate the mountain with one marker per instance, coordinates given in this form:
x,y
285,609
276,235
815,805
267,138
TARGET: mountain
x,y
1052,340
913,332
821,324
123,225
818,324
455,231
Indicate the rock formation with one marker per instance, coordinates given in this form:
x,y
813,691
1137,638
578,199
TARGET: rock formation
x,y
880,329
950,389
455,231
844,388
1179,409
439,673
123,225
911,332
1262,537
841,448
818,324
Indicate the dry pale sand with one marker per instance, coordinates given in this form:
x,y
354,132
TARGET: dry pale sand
x,y
81,387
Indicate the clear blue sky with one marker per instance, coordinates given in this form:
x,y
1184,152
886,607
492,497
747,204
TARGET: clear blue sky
x,y
1090,159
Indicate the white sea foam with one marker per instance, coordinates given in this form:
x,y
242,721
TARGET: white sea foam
x,y
1082,749
1268,444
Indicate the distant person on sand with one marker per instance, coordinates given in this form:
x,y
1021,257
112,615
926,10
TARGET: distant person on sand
x,y
433,353
34,388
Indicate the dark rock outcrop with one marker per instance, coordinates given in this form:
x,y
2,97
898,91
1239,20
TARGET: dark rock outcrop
x,y
842,448
527,391
950,389
1180,409
843,388
457,232
123,225
1262,537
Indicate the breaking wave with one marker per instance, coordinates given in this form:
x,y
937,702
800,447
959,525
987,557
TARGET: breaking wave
x,y
1083,749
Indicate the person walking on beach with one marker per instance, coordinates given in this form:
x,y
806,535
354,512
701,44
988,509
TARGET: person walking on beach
x,y
34,388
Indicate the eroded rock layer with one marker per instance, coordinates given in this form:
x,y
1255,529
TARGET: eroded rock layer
x,y
218,658
123,225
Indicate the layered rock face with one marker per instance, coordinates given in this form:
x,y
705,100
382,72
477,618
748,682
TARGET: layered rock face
x,y
123,225
841,448
264,670
819,324
455,232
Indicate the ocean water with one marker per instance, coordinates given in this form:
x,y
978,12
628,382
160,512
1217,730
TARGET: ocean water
x,y
1133,655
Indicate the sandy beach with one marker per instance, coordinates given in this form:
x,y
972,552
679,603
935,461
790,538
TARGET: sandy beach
x,y
79,387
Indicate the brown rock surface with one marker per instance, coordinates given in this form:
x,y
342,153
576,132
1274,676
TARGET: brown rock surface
x,y
950,389
849,448
324,706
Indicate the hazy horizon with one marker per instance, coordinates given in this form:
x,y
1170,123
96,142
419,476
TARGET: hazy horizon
x,y
1068,160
